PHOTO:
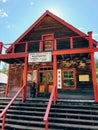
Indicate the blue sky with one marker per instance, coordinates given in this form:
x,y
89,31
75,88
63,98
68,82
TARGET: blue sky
x,y
17,15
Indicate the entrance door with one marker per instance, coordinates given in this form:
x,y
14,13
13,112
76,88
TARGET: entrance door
x,y
45,82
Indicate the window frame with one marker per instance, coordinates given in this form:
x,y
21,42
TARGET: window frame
x,y
52,38
74,78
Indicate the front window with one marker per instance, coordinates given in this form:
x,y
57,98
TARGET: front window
x,y
47,42
69,79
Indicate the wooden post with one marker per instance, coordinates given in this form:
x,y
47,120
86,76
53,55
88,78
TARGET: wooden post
x,y
26,47
94,77
25,79
3,121
46,125
6,89
41,46
71,43
55,77
55,46
90,39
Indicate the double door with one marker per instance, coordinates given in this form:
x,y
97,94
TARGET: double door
x,y
45,82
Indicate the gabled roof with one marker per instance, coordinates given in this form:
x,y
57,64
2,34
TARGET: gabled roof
x,y
80,33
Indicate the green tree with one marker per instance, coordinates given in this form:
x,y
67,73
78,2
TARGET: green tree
x,y
96,62
4,68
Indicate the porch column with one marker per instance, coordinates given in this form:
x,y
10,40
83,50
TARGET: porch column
x,y
55,76
25,79
7,85
41,46
94,77
90,39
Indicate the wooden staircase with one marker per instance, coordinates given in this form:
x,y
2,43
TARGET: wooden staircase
x,y
65,115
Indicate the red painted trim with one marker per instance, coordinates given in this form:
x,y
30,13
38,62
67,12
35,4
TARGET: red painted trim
x,y
71,42
26,47
48,108
55,45
41,46
3,121
43,66
1,45
25,79
48,34
55,76
75,51
11,56
94,77
90,39
13,48
74,70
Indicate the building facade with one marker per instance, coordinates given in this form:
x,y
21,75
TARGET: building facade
x,y
52,53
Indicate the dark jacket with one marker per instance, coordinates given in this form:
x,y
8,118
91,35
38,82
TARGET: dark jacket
x,y
33,89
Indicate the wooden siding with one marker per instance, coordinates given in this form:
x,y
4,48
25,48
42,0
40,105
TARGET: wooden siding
x,y
19,48
15,77
33,47
48,25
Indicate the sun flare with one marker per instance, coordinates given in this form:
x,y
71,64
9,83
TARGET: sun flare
x,y
55,11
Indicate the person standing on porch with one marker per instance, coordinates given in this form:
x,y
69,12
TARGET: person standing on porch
x,y
32,89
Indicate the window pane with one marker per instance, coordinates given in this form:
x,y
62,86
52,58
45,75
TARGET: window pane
x,y
71,82
70,72
68,78
71,76
65,74
42,77
50,77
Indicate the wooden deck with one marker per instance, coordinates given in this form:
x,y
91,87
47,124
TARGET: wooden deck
x,y
78,94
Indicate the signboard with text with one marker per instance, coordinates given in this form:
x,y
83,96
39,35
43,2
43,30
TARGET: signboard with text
x,y
40,57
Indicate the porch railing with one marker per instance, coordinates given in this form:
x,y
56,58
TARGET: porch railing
x,y
4,112
49,106
67,40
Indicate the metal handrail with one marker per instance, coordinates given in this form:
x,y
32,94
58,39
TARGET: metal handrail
x,y
49,106
3,113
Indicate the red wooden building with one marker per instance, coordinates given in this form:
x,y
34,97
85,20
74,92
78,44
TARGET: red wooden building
x,y
52,52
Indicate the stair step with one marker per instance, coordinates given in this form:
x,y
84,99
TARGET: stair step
x,y
24,117
63,126
54,108
21,127
74,115
21,121
65,115
76,121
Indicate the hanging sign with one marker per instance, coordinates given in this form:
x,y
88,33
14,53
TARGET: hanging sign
x,y
40,57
